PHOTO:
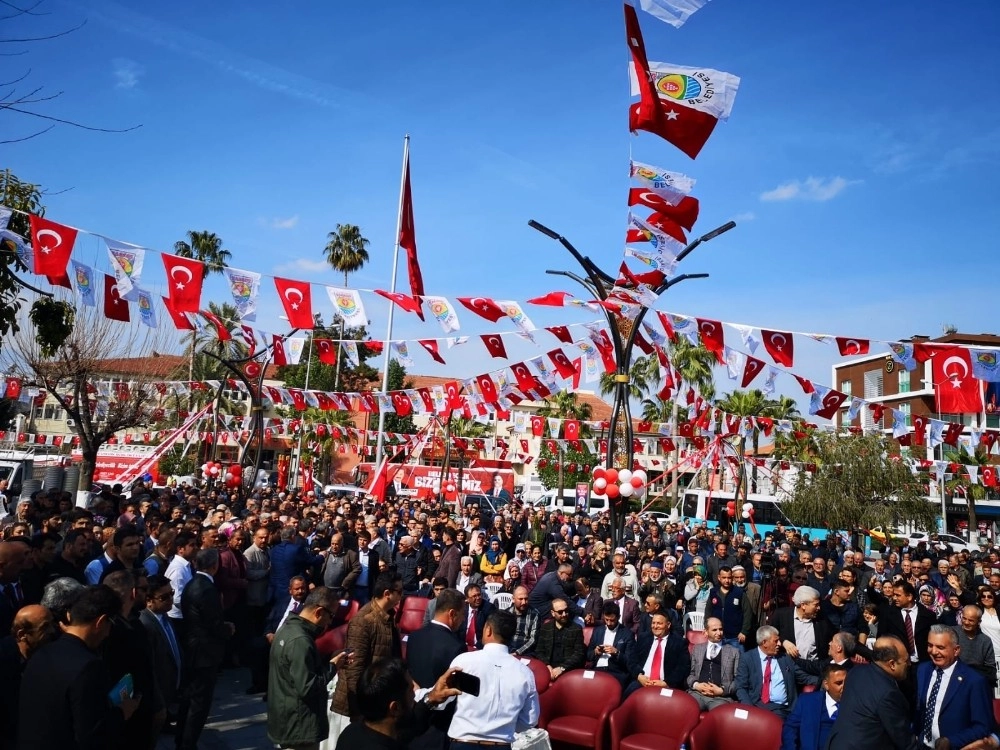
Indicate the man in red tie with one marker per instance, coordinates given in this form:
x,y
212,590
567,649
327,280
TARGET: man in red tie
x,y
479,610
660,658
766,679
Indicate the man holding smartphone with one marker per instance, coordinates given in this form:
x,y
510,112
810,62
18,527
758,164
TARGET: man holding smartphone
x,y
507,701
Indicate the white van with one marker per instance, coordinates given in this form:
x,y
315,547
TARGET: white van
x,y
567,503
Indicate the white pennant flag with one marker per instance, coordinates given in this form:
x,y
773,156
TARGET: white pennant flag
x,y
402,353
347,303
735,362
769,387
749,340
5,214
973,473
674,12
294,346
453,341
126,262
244,286
351,352
554,424
443,312
513,311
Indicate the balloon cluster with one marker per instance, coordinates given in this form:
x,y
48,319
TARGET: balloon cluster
x,y
450,490
619,482
231,476
746,508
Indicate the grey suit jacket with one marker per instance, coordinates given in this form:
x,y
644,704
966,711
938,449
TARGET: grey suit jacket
x,y
258,575
165,669
730,658
750,678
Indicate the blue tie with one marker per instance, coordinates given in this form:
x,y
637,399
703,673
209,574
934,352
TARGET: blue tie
x,y
931,706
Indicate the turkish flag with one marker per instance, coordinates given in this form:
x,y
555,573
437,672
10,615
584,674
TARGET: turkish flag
x,y
326,351
401,403
252,370
181,321
684,127
494,345
375,347
561,332
712,335
115,308
641,342
852,347
298,398
562,364
988,439
571,429
408,240
626,278
667,445
524,377
780,345
483,307
425,396
686,430
537,425
221,332
807,386
410,304
990,476
831,402
488,388
51,245
956,391
185,277
431,346
878,411
552,299
297,301
665,224
452,395
685,213
751,370
367,402
577,372
952,432
278,353
919,428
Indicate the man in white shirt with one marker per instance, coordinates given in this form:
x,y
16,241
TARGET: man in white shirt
x,y
179,573
507,701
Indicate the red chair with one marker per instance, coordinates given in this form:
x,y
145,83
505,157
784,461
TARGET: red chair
x,y
576,707
654,719
541,671
588,632
737,725
996,710
411,617
694,637
332,641
347,609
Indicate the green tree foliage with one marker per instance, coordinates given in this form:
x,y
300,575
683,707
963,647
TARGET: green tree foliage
x,y
397,382
21,196
323,377
346,249
564,468
858,482
962,483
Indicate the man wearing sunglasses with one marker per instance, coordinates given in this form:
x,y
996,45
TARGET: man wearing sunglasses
x,y
560,641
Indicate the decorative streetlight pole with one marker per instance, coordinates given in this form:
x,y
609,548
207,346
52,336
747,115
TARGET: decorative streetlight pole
x,y
620,453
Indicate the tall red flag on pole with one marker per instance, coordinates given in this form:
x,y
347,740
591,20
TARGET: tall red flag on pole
x,y
408,241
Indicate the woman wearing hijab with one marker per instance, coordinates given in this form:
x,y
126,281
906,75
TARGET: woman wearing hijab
x,y
493,562
697,589
512,577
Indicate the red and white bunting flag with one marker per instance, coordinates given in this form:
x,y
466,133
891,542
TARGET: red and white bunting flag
x,y
684,213
278,352
408,239
494,345
562,364
852,347
488,388
780,345
51,245
552,299
561,332
712,335
115,308
221,332
296,298
185,277
956,391
751,370
326,351
526,380
408,303
484,308
431,346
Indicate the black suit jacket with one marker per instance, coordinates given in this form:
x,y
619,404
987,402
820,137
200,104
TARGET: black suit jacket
x,y
873,714
165,669
676,660
205,630
429,653
481,614
620,662
891,623
64,699
784,621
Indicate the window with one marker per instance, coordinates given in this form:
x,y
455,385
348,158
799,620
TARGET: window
x,y
905,408
904,381
873,384
845,387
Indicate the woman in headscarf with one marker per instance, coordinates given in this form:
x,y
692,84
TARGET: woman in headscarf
x,y
928,597
493,561
697,589
512,577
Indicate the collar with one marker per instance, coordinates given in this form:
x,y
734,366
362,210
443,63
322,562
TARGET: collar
x,y
948,671
831,704
203,573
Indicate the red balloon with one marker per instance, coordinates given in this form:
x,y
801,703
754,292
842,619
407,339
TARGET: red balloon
x,y
600,472
612,489
636,482
611,475
600,491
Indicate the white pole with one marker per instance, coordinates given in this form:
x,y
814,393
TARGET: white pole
x,y
298,450
379,443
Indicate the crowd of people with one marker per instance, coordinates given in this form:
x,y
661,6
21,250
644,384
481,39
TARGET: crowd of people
x,y
120,617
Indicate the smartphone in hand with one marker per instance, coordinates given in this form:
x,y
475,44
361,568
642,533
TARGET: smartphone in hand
x,y
467,683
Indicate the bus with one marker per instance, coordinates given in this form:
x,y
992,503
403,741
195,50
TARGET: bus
x,y
710,506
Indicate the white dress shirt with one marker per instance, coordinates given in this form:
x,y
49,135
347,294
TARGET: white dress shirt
x,y
831,706
936,708
647,668
712,650
609,640
507,701
805,638
179,573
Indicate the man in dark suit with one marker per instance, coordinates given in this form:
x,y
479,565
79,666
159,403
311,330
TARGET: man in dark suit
x,y
873,712
13,558
451,557
429,652
808,725
804,634
894,616
611,645
660,658
953,700
479,610
712,679
163,642
766,678
204,647
629,607
64,690
560,641
589,600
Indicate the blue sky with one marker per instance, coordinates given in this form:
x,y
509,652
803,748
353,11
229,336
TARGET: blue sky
x,y
857,159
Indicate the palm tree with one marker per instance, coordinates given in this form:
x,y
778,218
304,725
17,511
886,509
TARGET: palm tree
x,y
746,404
565,405
642,377
207,247
346,249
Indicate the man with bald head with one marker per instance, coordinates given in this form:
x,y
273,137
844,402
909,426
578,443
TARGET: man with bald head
x,y
33,627
13,558
873,713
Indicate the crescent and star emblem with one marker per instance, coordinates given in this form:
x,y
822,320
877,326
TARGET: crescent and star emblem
x,y
48,233
953,376
298,295
185,271
775,339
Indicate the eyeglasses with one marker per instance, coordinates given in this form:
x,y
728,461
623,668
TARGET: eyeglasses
x,y
559,611
986,596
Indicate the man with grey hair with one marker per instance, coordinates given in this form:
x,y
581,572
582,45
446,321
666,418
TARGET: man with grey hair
x,y
409,564
59,596
766,678
466,575
977,647
803,632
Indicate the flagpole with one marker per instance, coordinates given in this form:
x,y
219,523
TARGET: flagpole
x,y
379,444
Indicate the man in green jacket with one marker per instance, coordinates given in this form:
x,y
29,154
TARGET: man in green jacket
x,y
296,688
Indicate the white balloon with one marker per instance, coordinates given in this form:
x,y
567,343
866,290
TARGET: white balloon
x,y
746,515
625,476
747,507
600,484
626,490
641,474
639,491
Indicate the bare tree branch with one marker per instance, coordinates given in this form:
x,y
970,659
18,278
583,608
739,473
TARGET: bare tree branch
x,y
17,80
70,122
45,38
28,137
23,11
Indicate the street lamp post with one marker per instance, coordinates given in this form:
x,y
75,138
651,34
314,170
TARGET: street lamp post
x,y
298,449
620,454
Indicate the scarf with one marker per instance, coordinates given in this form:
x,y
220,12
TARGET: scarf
x,y
491,555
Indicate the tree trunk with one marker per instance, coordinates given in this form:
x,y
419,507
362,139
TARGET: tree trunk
x,y
973,523
88,465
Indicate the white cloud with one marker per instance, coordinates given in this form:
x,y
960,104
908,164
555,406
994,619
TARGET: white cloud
x,y
744,216
809,189
289,223
127,73
303,264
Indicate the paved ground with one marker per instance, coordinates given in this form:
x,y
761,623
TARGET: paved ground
x,y
238,721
